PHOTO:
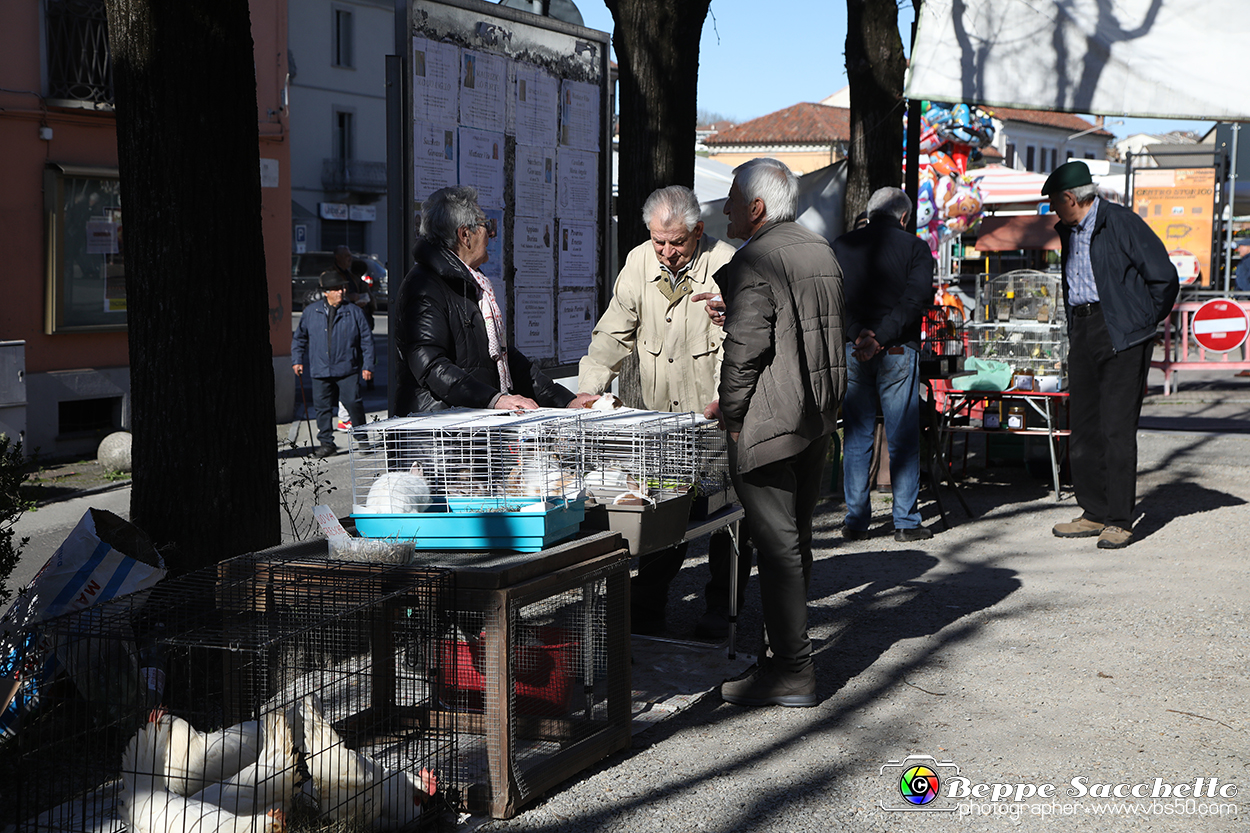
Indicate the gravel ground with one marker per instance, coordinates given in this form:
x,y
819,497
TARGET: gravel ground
x,y
1020,658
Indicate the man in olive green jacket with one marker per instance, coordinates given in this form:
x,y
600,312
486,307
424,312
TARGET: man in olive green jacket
x,y
679,360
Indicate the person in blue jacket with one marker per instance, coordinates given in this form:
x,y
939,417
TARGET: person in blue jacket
x,y
334,342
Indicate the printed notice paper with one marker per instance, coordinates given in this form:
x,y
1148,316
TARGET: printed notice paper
x,y
435,81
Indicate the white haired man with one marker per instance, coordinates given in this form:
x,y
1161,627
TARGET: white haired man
x,y
679,363
782,377
1118,284
888,280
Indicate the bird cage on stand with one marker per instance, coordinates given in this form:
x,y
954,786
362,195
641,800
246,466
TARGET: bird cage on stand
x,y
640,470
1019,321
470,479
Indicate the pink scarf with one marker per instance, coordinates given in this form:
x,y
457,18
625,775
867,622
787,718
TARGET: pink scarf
x,y
495,334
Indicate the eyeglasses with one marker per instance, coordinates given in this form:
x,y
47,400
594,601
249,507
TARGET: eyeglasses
x,y
486,224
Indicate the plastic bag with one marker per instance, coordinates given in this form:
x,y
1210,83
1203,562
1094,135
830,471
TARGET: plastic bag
x,y
104,557
986,375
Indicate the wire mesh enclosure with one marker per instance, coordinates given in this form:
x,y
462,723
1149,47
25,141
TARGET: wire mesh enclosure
x,y
1020,295
634,455
535,673
291,692
1020,322
1042,348
470,479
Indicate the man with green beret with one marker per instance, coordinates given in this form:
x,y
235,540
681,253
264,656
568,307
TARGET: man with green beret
x,y
1118,284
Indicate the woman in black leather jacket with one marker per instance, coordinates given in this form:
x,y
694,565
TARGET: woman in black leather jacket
x,y
450,337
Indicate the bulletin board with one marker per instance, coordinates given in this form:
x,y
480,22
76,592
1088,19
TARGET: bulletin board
x,y
516,105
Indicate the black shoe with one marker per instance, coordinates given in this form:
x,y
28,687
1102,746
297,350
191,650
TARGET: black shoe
x,y
770,686
712,625
915,533
849,534
323,451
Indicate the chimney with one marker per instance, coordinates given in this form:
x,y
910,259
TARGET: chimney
x,y
1098,120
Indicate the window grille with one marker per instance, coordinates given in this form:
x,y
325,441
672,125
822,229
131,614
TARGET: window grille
x,y
80,68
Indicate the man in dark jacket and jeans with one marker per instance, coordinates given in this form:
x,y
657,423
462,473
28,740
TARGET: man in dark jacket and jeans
x,y
782,377
888,281
1118,284
334,342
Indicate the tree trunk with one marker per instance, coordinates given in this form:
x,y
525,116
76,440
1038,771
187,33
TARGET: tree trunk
x,y
657,50
874,68
201,375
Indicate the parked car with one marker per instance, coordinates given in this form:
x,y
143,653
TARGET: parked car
x,y
307,268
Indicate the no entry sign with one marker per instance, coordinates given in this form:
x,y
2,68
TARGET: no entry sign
x,y
1220,325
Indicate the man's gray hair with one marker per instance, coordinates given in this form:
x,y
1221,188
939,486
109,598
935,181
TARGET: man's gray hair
x,y
1085,194
670,205
769,180
891,201
446,210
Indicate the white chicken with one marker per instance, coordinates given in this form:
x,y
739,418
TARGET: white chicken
x,y
269,782
195,759
354,788
148,807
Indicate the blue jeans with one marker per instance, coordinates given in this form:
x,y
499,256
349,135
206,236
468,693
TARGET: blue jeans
x,y
327,393
891,381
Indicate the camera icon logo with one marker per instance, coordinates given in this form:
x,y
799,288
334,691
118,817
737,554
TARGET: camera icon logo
x,y
919,785
915,784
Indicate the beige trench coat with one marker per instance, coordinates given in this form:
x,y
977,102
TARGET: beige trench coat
x,y
678,345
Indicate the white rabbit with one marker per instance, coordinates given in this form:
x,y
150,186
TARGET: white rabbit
x,y
399,492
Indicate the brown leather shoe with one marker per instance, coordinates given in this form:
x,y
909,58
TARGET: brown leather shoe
x,y
1114,537
1078,528
769,685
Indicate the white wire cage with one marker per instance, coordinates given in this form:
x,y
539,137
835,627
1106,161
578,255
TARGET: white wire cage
x,y
633,456
466,460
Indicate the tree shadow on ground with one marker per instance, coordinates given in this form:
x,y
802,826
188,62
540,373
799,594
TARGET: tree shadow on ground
x,y
1168,501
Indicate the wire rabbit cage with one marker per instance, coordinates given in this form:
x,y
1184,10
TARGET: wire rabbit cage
x,y
641,470
470,479
256,694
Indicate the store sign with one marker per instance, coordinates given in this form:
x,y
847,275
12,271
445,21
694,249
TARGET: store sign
x,y
333,210
1220,325
365,213
1179,205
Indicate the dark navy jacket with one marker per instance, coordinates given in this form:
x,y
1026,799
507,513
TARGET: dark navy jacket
x,y
887,281
1136,281
332,353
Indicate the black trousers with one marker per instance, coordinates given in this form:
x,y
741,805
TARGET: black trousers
x,y
1105,389
780,499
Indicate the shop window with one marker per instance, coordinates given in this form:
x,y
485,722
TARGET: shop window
x,y
86,279
88,416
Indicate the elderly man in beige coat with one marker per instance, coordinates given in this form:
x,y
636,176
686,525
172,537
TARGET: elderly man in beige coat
x,y
679,362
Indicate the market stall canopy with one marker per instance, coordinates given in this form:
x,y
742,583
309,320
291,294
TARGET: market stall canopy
x,y
1001,185
1152,58
1026,231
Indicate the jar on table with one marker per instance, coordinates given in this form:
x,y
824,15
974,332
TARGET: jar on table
x,y
1016,420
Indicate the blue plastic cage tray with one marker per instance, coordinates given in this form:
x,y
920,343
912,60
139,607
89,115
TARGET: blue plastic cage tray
x,y
524,531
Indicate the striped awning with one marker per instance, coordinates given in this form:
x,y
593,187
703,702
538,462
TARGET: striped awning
x,y
1001,185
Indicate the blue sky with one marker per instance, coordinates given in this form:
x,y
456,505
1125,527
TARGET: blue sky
x,y
756,58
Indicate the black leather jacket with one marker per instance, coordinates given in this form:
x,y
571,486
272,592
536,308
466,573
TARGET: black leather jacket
x,y
441,345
